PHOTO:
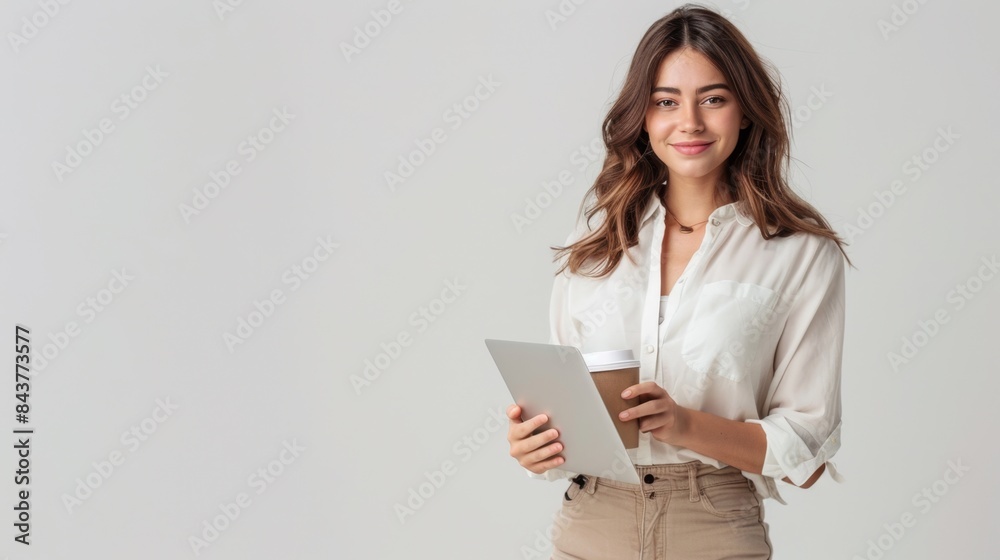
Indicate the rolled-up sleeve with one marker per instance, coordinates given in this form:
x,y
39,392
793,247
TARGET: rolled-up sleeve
x,y
803,414
563,332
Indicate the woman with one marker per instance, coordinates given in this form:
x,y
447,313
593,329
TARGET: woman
x,y
740,361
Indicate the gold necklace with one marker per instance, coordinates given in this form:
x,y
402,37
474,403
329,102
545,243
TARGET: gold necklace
x,y
684,228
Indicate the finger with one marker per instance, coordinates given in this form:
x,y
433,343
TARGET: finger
x,y
513,433
533,449
650,423
533,441
541,468
645,387
525,429
514,413
638,411
546,456
547,464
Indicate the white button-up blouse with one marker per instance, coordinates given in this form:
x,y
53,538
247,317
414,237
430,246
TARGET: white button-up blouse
x,y
752,330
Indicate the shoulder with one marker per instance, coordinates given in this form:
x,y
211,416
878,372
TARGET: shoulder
x,y
821,250
801,245
810,263
819,267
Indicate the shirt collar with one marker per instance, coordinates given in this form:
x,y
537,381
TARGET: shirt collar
x,y
724,213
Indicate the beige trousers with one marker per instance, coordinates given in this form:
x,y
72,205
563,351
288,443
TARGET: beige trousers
x,y
689,511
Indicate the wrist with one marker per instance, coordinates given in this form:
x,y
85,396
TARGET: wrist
x,y
682,428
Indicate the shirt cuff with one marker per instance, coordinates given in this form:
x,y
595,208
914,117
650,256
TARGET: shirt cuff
x,y
551,474
788,456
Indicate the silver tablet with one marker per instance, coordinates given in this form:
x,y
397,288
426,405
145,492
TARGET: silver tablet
x,y
554,380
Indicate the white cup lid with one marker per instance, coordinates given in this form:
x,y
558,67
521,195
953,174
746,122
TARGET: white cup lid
x,y
610,359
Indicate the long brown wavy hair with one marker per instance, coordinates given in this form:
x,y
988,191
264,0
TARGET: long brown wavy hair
x,y
754,173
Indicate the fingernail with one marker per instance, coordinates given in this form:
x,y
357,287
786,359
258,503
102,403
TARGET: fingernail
x,y
626,393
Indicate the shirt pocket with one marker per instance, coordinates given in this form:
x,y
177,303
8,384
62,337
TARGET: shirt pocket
x,y
720,335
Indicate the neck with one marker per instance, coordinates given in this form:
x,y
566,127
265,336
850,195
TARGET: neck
x,y
692,200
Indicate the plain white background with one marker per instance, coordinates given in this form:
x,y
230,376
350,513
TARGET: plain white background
x,y
446,231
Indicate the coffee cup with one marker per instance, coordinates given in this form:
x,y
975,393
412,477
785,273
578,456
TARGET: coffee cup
x,y
614,371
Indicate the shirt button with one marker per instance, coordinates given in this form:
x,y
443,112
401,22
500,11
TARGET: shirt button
x,y
661,319
650,348
715,222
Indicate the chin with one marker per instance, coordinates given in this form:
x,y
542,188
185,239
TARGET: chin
x,y
685,171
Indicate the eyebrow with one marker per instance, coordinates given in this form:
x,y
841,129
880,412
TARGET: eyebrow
x,y
698,91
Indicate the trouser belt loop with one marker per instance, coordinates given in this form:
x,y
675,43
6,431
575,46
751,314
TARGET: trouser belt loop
x,y
693,481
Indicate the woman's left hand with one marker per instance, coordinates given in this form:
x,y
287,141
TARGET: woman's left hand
x,y
657,412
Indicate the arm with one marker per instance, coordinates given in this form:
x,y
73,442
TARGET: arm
x,y
802,414
740,444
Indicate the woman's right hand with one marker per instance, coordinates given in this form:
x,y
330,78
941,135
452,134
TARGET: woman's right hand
x,y
533,452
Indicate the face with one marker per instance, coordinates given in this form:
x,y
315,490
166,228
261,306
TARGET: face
x,y
688,104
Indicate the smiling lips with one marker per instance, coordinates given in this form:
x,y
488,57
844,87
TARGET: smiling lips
x,y
691,148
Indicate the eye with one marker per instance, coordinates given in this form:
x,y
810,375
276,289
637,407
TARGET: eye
x,y
721,100
658,103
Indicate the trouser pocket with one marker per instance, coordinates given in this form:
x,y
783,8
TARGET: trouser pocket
x,y
730,499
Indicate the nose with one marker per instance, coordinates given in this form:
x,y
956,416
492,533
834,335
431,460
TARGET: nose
x,y
691,119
